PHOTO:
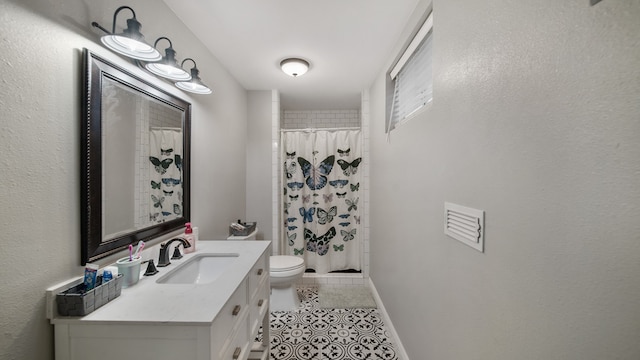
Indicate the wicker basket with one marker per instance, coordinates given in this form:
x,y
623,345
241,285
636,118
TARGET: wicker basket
x,y
248,229
78,302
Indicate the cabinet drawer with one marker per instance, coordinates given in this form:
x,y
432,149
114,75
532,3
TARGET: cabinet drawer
x,y
239,346
259,306
233,315
258,273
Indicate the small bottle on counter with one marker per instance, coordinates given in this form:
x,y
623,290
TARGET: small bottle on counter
x,y
106,276
196,233
188,235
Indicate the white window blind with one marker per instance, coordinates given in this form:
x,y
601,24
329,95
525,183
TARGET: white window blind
x,y
412,76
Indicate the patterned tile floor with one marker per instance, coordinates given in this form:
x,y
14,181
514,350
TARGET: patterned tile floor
x,y
312,333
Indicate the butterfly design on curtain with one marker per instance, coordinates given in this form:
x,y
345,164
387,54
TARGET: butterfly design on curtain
x,y
179,162
344,152
338,248
291,155
286,208
290,169
355,187
307,215
170,181
325,217
316,177
338,183
348,235
166,152
177,209
298,251
157,202
161,166
319,244
349,168
291,238
295,185
341,195
352,204
155,185
328,198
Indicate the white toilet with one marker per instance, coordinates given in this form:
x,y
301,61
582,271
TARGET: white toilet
x,y
284,272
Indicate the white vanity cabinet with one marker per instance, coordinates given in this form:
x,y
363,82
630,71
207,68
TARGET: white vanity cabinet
x,y
216,321
243,314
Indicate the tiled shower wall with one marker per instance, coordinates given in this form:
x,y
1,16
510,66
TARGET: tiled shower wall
x,y
322,119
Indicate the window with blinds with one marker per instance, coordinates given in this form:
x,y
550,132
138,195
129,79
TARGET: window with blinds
x,y
412,78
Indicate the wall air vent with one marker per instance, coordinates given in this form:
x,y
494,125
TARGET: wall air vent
x,y
464,224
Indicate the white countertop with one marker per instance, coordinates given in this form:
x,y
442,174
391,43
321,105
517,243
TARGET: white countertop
x,y
178,304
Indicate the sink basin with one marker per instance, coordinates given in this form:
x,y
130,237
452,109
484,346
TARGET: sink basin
x,y
200,269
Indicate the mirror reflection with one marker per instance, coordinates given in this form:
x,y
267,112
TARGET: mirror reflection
x,y
139,188
142,160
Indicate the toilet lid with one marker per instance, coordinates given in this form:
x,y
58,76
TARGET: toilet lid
x,y
284,263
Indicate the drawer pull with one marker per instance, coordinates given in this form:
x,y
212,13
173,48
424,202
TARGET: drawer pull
x,y
260,302
236,310
236,353
260,271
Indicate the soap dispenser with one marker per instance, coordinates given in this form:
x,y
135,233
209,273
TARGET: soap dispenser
x,y
188,235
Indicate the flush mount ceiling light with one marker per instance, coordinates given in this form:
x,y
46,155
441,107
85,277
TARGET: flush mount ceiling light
x,y
168,67
294,66
195,85
130,42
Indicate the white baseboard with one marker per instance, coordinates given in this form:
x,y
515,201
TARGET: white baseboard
x,y
402,354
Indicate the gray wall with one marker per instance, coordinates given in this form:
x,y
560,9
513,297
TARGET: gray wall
x,y
40,96
536,120
259,148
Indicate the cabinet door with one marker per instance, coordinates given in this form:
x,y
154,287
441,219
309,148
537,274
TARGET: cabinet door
x,y
231,318
239,346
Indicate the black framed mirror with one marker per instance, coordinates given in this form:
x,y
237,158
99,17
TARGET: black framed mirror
x,y
135,161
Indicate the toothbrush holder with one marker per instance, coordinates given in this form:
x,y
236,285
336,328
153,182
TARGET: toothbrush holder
x,y
130,270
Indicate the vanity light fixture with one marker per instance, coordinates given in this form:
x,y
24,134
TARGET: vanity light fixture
x,y
294,66
130,42
195,85
168,67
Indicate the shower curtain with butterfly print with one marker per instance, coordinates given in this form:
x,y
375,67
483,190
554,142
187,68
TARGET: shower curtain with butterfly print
x,y
322,198
165,156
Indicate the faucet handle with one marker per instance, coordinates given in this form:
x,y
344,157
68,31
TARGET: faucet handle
x,y
151,268
176,253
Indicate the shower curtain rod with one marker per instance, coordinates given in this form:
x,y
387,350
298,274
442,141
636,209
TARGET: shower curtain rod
x,y
320,129
165,128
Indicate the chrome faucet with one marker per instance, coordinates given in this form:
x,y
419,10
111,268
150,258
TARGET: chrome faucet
x,y
163,260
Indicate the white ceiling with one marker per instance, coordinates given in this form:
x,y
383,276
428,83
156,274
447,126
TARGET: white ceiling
x,y
347,42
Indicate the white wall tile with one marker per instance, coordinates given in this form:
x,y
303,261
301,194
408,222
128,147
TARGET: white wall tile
x,y
320,119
